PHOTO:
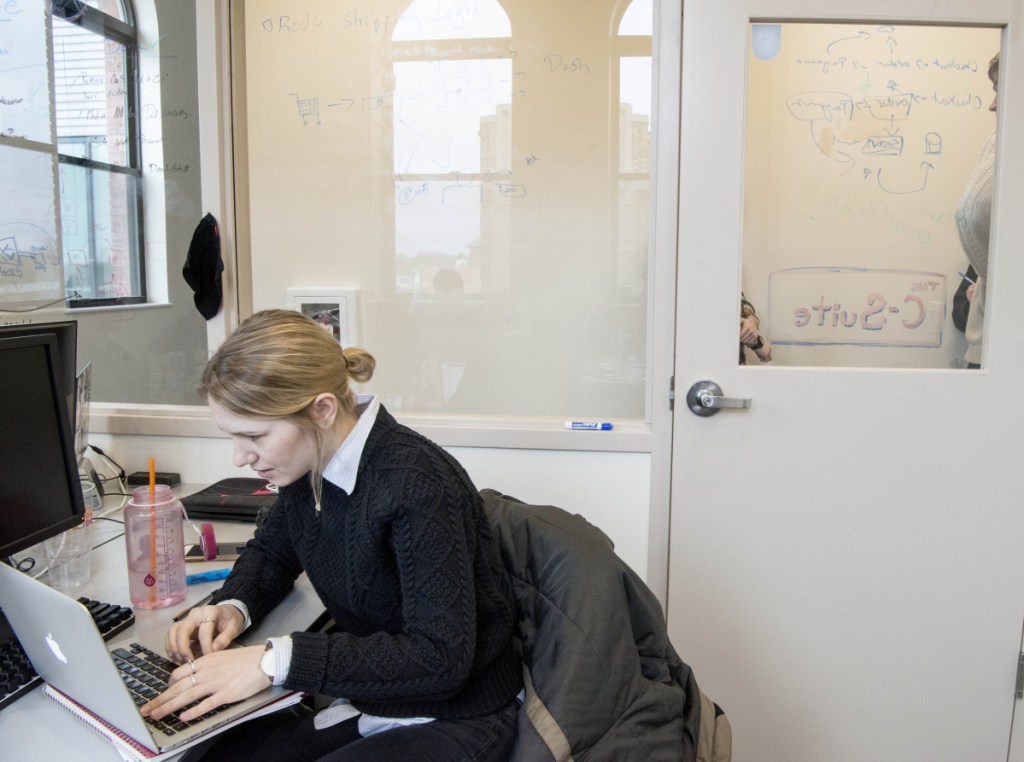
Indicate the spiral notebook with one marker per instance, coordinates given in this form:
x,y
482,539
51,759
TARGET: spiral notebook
x,y
132,750
68,652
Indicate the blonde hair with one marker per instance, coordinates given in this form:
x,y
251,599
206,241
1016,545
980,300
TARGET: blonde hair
x,y
275,365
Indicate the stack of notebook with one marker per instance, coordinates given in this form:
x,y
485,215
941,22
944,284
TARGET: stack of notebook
x,y
237,499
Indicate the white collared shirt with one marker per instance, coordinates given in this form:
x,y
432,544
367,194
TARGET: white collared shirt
x,y
343,467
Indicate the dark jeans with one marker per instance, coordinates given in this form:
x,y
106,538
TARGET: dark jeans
x,y
289,737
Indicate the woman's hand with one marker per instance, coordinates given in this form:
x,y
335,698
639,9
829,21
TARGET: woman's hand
x,y
218,678
749,326
215,627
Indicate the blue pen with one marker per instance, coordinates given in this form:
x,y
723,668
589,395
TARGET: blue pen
x,y
588,425
964,276
209,576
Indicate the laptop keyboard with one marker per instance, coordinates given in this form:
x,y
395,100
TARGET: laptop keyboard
x,y
146,673
17,677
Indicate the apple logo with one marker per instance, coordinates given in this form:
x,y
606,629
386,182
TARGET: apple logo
x,y
55,647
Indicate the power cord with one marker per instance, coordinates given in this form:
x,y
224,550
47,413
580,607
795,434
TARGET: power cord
x,y
72,296
117,466
103,481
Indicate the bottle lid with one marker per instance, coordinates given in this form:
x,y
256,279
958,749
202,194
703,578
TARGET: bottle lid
x,y
161,496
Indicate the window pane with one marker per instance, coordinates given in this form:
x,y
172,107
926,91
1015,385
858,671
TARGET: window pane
x,y
99,215
443,109
110,7
72,9
30,266
444,20
24,83
861,142
638,18
488,197
437,225
89,76
635,114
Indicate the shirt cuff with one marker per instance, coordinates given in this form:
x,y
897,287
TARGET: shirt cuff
x,y
277,659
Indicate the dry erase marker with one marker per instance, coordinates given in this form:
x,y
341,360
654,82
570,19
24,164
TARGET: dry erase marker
x,y
209,576
588,425
964,276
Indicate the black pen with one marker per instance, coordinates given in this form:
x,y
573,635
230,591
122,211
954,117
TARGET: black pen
x,y
182,614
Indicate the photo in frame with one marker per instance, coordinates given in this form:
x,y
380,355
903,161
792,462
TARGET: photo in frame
x,y
336,309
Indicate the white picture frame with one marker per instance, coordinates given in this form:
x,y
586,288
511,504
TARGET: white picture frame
x,y
336,309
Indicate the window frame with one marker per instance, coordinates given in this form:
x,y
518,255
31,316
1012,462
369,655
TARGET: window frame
x,y
125,34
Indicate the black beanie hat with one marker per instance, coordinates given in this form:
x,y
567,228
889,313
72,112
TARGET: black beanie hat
x,y
203,267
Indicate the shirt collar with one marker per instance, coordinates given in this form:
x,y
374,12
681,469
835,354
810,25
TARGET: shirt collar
x,y
343,467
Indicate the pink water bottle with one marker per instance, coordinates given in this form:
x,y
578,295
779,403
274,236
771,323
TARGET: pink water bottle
x,y
155,542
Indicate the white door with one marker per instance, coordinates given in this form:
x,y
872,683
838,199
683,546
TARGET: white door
x,y
845,554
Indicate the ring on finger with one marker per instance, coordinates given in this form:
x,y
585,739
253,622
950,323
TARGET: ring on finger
x,y
194,681
204,621
192,664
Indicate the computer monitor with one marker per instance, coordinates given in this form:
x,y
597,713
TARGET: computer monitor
x,y
40,492
66,332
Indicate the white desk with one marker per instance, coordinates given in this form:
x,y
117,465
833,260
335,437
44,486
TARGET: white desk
x,y
35,728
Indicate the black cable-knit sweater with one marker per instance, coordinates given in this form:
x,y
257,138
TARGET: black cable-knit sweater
x,y
408,568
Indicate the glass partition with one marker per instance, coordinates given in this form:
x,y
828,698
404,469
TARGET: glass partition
x,y
111,224
481,175
869,177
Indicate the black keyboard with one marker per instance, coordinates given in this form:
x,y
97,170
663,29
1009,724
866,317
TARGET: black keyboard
x,y
17,677
146,674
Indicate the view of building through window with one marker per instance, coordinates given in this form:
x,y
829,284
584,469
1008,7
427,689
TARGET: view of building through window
x,y
454,179
95,87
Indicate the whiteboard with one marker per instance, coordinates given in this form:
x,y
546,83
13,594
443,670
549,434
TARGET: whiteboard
x,y
859,143
481,173
24,75
30,260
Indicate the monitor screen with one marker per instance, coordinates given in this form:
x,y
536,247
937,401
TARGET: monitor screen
x,y
40,492
66,332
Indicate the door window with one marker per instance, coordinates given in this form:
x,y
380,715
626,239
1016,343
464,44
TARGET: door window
x,y
869,170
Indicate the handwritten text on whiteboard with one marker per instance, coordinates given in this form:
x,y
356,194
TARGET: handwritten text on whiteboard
x,y
837,305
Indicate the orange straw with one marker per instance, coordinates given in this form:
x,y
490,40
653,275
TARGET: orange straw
x,y
152,529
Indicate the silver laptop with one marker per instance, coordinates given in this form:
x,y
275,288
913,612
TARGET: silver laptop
x,y
68,652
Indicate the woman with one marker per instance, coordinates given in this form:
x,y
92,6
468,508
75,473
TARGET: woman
x,y
750,333
390,531
973,218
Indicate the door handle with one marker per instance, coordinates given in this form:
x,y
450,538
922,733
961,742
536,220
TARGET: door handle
x,y
705,398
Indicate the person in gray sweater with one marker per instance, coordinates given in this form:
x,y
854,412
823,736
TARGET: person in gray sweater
x,y
391,532
973,218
